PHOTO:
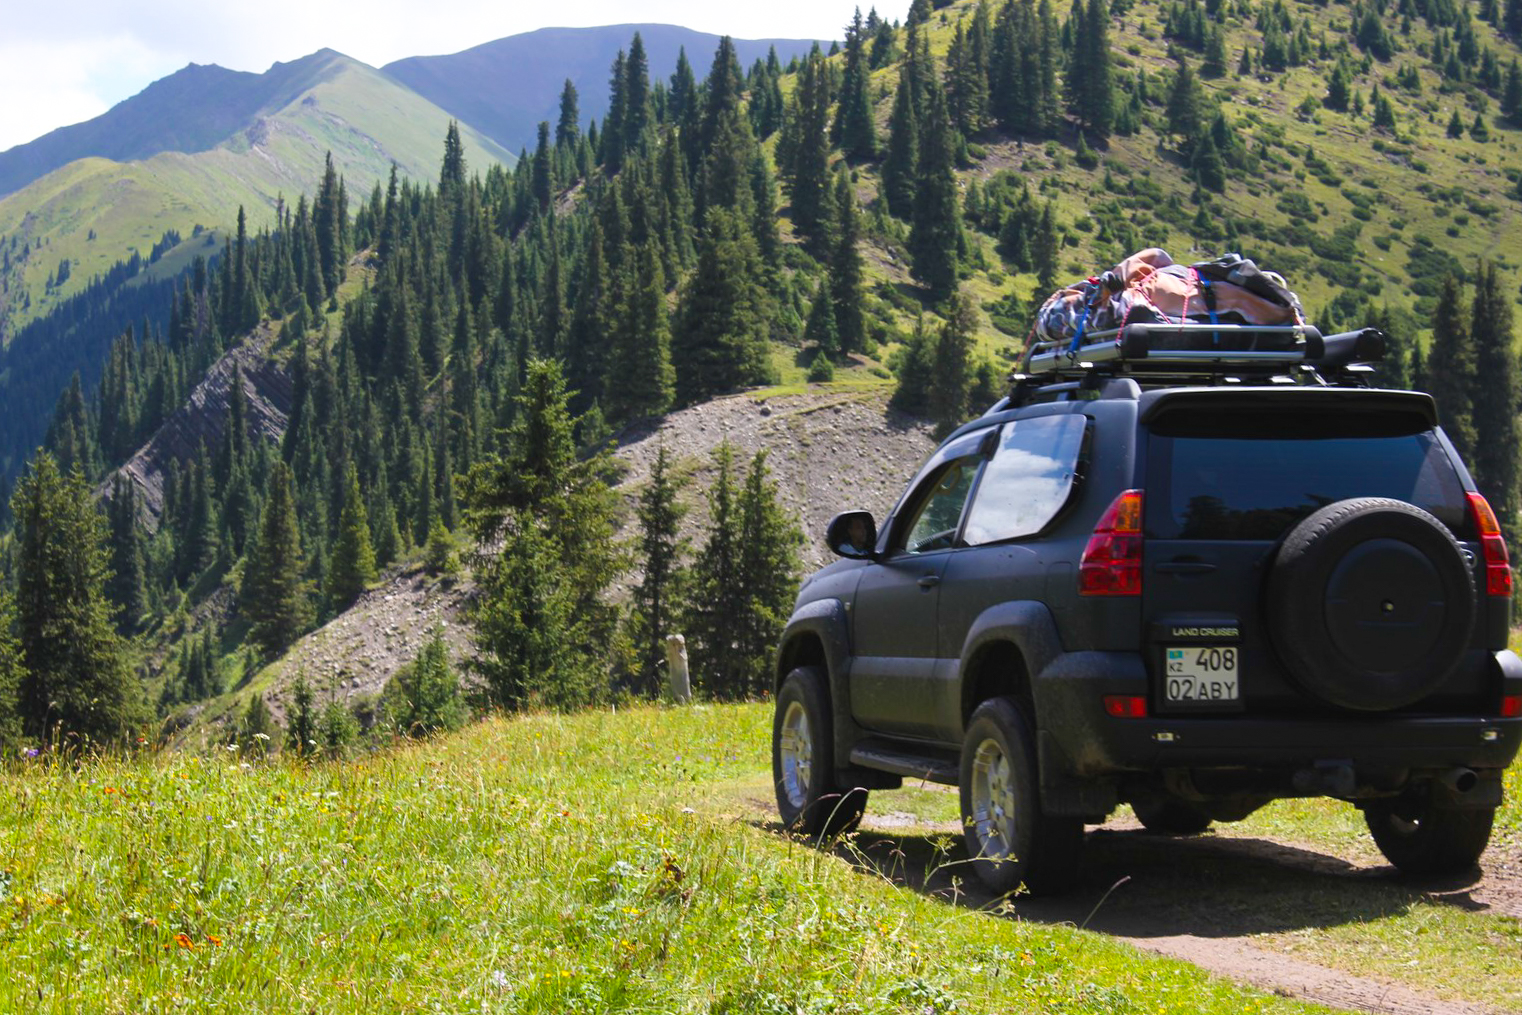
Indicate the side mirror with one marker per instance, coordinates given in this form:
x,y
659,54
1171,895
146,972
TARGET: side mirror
x,y
852,534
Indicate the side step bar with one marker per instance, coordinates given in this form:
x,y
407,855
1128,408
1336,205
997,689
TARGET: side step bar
x,y
931,765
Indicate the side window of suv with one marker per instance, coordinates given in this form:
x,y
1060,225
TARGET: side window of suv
x,y
939,512
1029,479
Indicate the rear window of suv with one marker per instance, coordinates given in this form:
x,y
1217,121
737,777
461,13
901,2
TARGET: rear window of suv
x,y
1255,488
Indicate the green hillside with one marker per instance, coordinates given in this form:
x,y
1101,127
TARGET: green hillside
x,y
1355,216
94,212
543,864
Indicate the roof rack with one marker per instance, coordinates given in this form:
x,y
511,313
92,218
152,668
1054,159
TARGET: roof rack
x,y
1166,355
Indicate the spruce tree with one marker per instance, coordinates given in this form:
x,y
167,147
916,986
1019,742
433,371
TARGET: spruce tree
x,y
661,549
810,170
77,677
127,589
1450,371
352,564
274,596
568,127
1495,400
725,315
821,328
847,285
855,130
767,574
716,597
12,671
301,720
1185,110
902,160
541,621
641,381
935,236
424,697
951,368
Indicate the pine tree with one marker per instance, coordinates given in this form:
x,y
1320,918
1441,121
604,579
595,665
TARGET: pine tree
x,y
274,596
716,597
424,697
12,671
352,564
1208,167
641,380
810,170
257,729
541,621
301,720
935,236
1450,372
847,285
720,340
127,589
767,574
1339,87
821,328
568,127
951,369
661,549
1185,112
902,160
77,678
855,131
1456,126
544,170
1091,91
1495,401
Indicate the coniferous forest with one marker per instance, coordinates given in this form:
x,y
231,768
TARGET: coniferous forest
x,y
459,350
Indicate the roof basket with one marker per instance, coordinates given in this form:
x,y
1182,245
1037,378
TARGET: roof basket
x,y
1195,351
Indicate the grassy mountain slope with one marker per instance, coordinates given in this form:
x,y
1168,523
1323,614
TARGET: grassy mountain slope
x,y
95,211
1344,210
194,109
505,88
596,863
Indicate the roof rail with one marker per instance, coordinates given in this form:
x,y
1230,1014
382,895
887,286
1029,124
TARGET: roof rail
x,y
1168,355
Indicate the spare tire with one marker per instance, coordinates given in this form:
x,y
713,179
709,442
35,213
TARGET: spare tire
x,y
1370,603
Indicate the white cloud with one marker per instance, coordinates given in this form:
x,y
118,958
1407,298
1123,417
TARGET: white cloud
x,y
72,67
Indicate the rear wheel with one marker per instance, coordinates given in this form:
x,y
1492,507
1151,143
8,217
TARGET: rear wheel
x,y
1170,815
1010,839
1426,840
809,800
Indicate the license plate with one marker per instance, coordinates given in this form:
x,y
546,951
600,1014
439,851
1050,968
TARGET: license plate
x,y
1201,675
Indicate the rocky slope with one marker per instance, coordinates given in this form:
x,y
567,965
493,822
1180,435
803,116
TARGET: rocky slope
x,y
829,449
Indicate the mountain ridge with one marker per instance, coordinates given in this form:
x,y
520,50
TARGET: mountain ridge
x,y
487,87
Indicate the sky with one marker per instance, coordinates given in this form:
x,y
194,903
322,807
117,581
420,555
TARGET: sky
x,y
65,64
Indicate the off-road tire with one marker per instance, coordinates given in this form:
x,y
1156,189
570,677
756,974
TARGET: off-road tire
x,y
809,800
1428,840
1010,840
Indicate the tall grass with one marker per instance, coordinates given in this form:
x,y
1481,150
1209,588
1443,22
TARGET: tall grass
x,y
542,864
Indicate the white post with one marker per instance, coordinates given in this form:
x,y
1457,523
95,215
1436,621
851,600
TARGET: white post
x,y
676,668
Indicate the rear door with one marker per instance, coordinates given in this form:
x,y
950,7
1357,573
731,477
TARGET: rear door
x,y
1222,489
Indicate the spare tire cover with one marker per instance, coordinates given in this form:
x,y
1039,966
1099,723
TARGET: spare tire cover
x,y
1370,603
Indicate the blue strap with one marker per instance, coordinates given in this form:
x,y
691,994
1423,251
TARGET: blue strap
x,y
1083,320
1209,303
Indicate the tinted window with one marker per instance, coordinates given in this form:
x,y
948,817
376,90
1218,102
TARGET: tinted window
x,y
939,511
1029,479
1246,488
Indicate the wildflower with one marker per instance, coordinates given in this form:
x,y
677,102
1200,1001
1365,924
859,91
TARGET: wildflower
x,y
214,939
183,940
112,789
31,752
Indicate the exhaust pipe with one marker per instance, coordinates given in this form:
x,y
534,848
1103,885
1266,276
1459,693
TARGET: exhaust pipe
x,y
1459,781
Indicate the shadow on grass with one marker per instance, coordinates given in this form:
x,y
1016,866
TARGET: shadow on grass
x,y
1137,884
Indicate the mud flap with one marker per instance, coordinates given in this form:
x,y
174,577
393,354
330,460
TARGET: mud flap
x,y
1065,795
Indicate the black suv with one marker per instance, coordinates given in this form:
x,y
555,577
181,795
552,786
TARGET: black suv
x,y
1183,573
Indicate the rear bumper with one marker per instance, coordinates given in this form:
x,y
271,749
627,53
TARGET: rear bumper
x,y
1070,708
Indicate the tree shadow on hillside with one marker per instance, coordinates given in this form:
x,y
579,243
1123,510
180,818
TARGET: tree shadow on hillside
x,y
1137,884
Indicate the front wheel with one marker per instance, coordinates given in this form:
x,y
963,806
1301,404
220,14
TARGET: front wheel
x,y
1010,839
803,761
1426,840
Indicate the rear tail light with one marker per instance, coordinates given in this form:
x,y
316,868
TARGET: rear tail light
x,y
1511,706
1492,547
1125,706
1112,561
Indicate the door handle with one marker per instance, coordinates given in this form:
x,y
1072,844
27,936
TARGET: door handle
x,y
1184,567
930,581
